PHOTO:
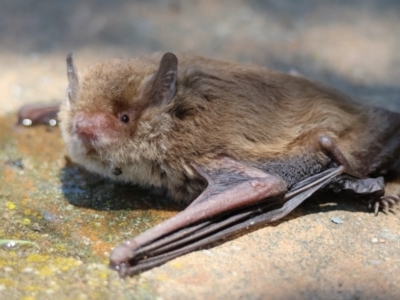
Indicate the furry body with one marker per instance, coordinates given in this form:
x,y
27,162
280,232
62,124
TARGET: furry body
x,y
266,119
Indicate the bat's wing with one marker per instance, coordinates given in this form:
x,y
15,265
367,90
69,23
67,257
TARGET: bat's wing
x,y
237,197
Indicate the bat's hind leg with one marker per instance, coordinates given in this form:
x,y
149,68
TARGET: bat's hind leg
x,y
331,149
372,187
384,203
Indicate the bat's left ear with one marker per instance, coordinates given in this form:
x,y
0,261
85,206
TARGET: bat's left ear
x,y
73,80
164,82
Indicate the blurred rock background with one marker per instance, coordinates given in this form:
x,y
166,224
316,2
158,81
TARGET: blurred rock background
x,y
352,45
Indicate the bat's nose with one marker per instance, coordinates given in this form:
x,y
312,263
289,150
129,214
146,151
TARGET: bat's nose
x,y
96,127
88,127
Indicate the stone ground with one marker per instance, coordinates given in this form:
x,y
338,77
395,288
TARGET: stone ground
x,y
72,219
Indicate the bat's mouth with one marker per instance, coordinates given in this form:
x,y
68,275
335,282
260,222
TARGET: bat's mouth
x,y
215,216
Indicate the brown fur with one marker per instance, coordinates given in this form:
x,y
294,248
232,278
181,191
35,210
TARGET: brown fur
x,y
246,112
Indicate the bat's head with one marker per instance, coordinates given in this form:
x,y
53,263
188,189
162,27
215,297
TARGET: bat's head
x,y
115,115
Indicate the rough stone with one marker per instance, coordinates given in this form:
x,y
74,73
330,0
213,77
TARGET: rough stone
x,y
64,221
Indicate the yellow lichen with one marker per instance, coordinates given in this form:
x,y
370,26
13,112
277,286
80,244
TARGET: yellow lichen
x,y
32,236
46,270
7,282
11,254
59,247
37,258
31,288
176,265
26,221
101,274
10,205
66,263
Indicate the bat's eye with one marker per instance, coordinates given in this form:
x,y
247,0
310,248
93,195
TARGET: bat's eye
x,y
124,118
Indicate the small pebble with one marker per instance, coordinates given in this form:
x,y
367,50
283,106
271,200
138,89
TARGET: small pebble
x,y
337,220
48,216
27,270
375,261
36,227
374,240
16,163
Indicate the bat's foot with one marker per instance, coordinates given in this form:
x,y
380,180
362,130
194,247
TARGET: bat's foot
x,y
383,203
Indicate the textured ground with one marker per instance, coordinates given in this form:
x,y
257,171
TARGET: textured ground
x,y
75,218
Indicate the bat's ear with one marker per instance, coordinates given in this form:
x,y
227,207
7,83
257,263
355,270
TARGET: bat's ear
x,y
164,81
73,80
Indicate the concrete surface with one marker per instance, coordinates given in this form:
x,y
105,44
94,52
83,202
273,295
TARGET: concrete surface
x,y
75,218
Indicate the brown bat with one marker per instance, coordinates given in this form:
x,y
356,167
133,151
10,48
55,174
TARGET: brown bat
x,y
242,144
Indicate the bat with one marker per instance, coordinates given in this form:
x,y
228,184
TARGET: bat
x,y
241,144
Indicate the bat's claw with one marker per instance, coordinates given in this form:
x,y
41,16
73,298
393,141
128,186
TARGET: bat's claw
x,y
385,203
